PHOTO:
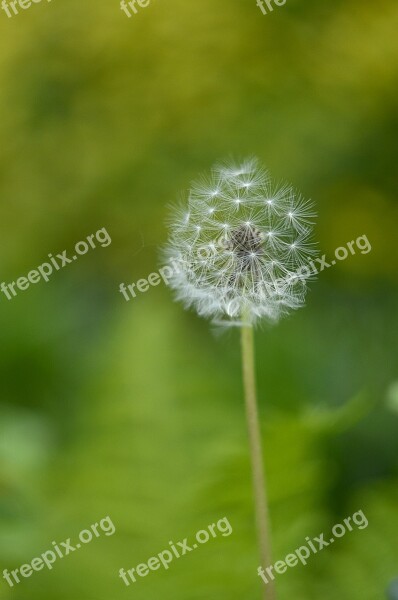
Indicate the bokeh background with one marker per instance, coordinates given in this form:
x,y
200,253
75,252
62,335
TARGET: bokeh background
x,y
134,409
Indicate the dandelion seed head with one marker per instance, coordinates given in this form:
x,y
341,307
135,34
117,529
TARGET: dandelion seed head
x,y
240,242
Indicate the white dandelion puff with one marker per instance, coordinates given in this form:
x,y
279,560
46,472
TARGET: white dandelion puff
x,y
240,243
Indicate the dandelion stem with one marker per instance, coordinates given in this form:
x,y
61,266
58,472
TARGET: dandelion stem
x,y
260,496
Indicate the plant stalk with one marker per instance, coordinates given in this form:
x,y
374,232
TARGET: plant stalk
x,y
260,496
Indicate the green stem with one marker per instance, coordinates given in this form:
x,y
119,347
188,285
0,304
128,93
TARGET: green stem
x,y
260,497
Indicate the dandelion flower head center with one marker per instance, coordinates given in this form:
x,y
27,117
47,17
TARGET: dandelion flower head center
x,y
245,242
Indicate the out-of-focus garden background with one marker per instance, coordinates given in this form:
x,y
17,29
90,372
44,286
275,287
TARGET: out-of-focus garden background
x,y
134,410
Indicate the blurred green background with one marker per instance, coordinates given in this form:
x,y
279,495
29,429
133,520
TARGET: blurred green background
x,y
134,410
